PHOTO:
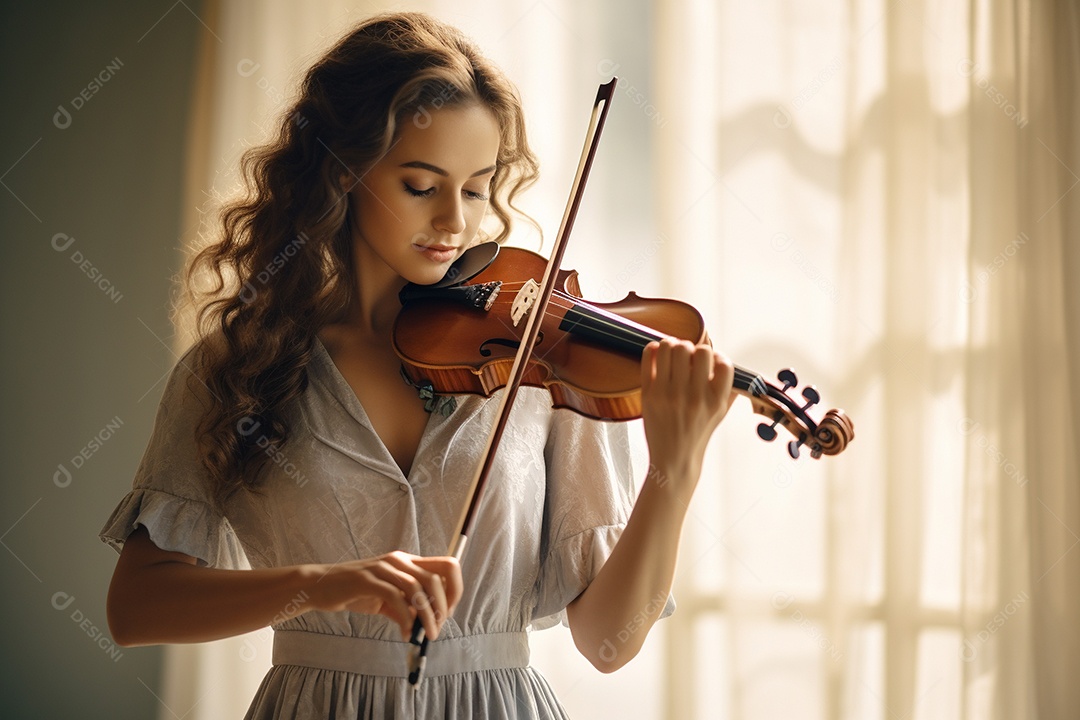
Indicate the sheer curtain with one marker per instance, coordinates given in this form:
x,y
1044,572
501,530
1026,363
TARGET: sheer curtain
x,y
879,195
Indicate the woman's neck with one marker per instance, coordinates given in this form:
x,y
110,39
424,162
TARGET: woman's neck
x,y
376,304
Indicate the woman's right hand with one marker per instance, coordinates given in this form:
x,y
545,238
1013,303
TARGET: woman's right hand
x,y
396,585
160,596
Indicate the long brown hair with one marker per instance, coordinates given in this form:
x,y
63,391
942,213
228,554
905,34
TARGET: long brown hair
x,y
283,267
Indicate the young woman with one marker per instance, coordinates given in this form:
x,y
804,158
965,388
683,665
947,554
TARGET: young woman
x,y
294,480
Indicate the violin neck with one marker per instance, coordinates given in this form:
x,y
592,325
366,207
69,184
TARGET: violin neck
x,y
607,329
626,336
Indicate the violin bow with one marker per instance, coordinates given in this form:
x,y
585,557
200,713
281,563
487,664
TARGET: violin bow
x,y
536,312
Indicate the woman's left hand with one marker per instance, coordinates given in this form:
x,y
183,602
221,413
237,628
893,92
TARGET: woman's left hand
x,y
685,393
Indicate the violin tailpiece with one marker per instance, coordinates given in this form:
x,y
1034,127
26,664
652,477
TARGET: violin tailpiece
x,y
480,296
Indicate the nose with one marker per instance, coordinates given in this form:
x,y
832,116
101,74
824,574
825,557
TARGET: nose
x,y
450,217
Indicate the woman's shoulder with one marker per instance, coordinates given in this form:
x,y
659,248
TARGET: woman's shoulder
x,y
189,374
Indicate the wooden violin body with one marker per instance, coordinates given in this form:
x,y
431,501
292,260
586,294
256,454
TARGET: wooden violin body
x,y
464,338
463,349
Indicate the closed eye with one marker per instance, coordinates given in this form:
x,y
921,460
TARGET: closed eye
x,y
418,193
415,192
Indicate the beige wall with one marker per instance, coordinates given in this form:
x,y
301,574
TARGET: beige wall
x,y
90,220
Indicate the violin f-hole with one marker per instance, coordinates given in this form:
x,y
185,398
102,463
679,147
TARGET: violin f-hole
x,y
505,342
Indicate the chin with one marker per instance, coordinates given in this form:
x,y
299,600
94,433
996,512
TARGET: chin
x,y
426,276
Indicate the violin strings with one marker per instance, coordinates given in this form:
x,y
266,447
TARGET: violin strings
x,y
612,326
621,328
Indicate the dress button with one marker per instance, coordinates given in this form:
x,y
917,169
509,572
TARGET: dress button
x,y
404,487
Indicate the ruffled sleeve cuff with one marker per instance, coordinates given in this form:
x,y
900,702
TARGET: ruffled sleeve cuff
x,y
569,568
176,524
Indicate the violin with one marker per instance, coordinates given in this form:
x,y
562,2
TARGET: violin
x,y
506,317
463,338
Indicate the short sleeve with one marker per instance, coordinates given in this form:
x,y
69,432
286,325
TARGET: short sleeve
x,y
171,495
589,498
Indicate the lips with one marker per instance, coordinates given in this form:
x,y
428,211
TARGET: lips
x,y
437,253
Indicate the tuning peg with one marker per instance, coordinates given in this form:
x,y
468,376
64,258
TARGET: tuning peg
x,y
793,448
767,432
810,394
787,376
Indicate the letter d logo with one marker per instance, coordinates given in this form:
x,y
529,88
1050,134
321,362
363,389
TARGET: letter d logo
x,y
781,118
248,653
59,238
62,477
62,600
62,118
247,425
247,68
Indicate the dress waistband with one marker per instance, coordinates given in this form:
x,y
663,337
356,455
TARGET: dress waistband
x,y
385,658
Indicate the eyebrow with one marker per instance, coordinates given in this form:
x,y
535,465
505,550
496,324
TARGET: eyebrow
x,y
440,171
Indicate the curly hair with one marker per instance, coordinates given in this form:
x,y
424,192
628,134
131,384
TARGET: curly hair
x,y
283,266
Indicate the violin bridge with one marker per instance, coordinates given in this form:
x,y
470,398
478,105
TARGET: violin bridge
x,y
524,300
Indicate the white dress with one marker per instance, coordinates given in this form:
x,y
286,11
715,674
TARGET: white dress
x,y
559,495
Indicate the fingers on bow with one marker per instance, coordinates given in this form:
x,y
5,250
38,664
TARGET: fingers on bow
x,y
417,587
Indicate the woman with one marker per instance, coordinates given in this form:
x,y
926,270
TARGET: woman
x,y
294,480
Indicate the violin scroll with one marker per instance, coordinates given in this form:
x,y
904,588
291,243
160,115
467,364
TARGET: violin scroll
x,y
828,437
834,432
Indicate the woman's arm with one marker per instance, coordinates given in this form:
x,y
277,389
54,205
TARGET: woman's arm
x,y
157,596
686,391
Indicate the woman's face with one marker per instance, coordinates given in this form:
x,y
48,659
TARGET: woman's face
x,y
419,207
